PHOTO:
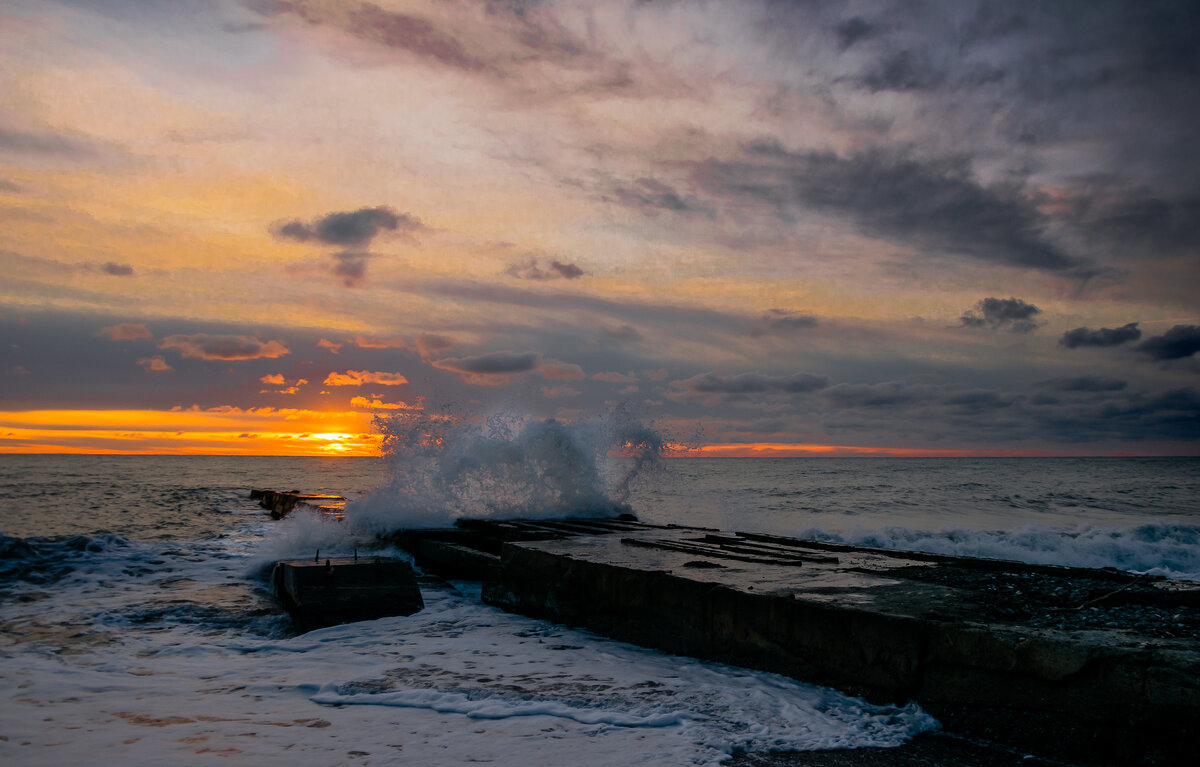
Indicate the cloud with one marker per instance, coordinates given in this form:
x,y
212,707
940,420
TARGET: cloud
x,y
933,205
1178,342
753,383
350,229
621,334
905,71
888,394
852,30
614,377
1152,224
558,392
351,267
1083,384
371,342
497,368
330,345
426,345
360,377
155,364
377,404
782,321
560,371
429,344
1073,339
52,144
126,331
555,270
223,347
495,363
117,270
996,313
389,29
277,379
650,197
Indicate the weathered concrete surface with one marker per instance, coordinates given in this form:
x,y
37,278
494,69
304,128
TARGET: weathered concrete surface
x,y
1094,666
280,503
326,592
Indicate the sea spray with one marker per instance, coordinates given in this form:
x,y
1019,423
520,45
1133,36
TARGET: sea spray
x,y
443,465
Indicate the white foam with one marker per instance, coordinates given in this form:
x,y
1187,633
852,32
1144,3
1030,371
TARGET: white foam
x,y
137,663
1159,548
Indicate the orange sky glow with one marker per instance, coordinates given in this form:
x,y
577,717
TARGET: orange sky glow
x,y
297,432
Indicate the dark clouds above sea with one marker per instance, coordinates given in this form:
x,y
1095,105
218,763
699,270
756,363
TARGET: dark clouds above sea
x,y
930,223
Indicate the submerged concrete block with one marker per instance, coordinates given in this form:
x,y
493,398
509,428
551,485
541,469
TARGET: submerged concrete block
x,y
326,592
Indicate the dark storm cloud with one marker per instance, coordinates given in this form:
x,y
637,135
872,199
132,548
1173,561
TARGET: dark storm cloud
x,y
852,30
905,71
753,383
554,270
889,394
1057,411
1083,384
936,205
223,347
348,229
117,270
651,197
1168,415
1151,225
782,321
1178,342
995,313
1073,339
496,363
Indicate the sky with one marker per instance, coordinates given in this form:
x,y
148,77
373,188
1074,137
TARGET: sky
x,y
767,228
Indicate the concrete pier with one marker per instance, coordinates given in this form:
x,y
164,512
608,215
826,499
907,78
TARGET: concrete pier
x,y
1093,666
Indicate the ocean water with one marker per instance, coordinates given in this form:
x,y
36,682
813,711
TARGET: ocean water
x,y
136,623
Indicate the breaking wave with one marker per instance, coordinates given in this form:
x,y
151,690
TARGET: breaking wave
x,y
1171,550
444,465
45,560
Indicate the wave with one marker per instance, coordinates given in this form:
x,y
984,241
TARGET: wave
x,y
45,560
446,465
1170,550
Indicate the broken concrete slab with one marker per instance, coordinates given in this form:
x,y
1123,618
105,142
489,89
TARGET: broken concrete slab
x,y
280,503
325,592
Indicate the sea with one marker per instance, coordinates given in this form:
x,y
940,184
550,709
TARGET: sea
x,y
137,624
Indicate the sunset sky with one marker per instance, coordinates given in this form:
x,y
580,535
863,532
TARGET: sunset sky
x,y
771,228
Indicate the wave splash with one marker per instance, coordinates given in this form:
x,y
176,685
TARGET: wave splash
x,y
446,465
